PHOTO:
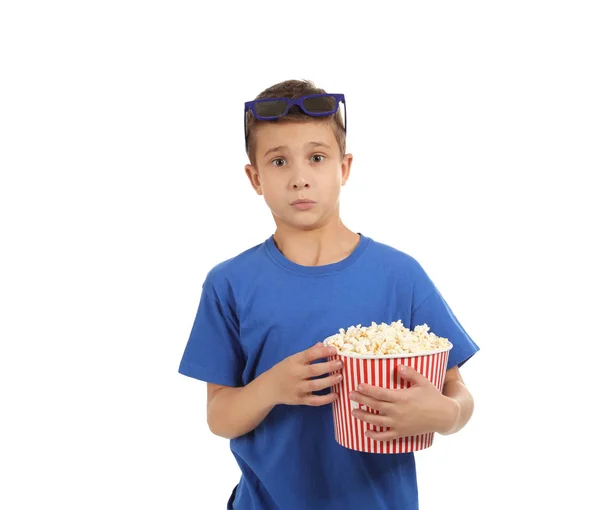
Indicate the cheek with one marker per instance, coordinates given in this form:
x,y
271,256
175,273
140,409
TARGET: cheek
x,y
272,194
333,184
270,186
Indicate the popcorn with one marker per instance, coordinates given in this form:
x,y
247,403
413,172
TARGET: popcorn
x,y
386,339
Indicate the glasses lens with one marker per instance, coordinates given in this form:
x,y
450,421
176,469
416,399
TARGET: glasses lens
x,y
270,108
322,104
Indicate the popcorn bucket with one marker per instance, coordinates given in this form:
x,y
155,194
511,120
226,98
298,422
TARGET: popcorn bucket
x,y
381,371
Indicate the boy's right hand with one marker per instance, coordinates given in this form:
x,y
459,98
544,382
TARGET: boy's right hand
x,y
291,383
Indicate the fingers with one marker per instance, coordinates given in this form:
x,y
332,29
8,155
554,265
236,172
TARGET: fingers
x,y
386,435
411,375
377,393
378,420
322,383
316,352
328,367
373,403
320,400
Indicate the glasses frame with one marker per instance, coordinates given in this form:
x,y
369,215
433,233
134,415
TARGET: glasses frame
x,y
297,101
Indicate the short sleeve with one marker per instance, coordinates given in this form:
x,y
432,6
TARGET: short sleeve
x,y
213,352
433,310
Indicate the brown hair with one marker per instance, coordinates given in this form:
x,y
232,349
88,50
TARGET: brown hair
x,y
292,89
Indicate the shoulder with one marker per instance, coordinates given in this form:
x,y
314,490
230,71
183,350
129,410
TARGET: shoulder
x,y
392,257
223,275
405,271
398,266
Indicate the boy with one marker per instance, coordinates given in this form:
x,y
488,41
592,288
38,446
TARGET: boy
x,y
262,315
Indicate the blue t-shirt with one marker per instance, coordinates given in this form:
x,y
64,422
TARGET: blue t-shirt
x,y
257,309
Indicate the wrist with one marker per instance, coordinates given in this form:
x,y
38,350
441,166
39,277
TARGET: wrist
x,y
265,390
450,416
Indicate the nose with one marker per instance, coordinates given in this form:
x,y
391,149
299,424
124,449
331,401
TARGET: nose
x,y
300,182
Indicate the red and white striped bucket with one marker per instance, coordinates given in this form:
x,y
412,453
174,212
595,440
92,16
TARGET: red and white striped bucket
x,y
380,371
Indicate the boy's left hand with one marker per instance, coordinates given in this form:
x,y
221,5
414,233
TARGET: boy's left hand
x,y
416,410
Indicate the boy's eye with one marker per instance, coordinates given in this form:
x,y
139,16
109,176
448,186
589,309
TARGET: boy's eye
x,y
279,162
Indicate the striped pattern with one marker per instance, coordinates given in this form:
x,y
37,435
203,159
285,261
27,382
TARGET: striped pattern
x,y
350,431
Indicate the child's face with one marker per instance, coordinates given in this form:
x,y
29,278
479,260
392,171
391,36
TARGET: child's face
x,y
299,169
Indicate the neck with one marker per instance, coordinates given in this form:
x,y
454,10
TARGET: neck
x,y
327,244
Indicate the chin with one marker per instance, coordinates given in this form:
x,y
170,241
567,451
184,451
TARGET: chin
x,y
307,224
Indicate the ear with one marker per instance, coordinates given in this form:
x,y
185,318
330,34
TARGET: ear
x,y
254,178
346,164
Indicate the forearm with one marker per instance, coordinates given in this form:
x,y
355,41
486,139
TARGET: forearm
x,y
463,404
234,412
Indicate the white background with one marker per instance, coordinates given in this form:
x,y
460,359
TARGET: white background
x,y
475,131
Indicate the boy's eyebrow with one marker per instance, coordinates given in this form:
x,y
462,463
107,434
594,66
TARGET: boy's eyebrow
x,y
312,144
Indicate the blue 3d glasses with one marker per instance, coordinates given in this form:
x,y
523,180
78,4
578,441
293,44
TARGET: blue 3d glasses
x,y
315,105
